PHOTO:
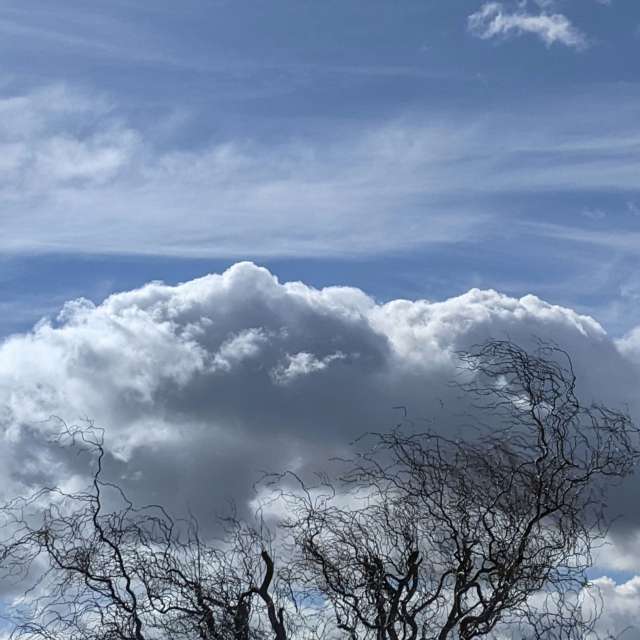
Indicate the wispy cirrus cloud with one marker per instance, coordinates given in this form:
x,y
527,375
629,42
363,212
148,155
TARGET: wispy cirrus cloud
x,y
76,176
493,20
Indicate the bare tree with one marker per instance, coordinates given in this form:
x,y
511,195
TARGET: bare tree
x,y
423,536
431,537
106,570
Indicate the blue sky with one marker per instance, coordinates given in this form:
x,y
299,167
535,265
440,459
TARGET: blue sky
x,y
414,149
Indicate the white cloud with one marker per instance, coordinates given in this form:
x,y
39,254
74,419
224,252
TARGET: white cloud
x,y
302,364
493,20
620,553
620,604
244,346
76,177
202,385
230,373
43,143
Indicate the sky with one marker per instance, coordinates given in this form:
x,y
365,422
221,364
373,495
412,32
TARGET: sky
x,y
415,150
236,234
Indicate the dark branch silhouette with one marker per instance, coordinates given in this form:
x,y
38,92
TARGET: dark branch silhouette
x,y
433,537
127,573
422,536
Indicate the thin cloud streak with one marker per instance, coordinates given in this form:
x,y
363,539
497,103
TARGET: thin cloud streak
x,y
618,239
76,177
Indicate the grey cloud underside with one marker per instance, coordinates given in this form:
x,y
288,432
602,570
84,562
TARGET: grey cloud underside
x,y
201,386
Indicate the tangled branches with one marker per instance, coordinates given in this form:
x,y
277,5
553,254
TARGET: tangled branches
x,y
127,573
423,536
434,537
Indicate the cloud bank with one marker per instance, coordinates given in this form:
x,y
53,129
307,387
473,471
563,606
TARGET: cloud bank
x,y
202,385
250,372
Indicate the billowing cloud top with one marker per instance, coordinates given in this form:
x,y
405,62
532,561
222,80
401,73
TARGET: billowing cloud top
x,y
204,383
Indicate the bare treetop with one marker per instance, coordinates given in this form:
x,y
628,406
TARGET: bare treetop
x,y
423,536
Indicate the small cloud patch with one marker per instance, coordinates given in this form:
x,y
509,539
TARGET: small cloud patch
x,y
302,364
494,20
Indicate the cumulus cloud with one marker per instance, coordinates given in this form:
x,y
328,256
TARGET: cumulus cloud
x,y
620,553
202,385
494,20
620,604
630,344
